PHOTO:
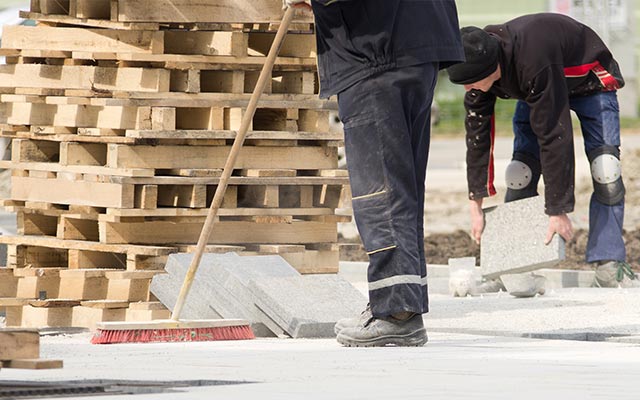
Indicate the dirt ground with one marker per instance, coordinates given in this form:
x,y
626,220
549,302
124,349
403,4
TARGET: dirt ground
x,y
450,209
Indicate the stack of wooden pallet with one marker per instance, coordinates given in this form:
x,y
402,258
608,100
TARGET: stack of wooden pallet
x,y
122,113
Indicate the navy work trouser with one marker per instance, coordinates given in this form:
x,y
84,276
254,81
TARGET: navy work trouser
x,y
600,125
387,130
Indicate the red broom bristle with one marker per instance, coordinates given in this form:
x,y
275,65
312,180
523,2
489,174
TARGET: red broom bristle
x,y
243,332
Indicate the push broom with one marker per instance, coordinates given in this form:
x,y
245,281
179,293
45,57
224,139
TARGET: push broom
x,y
174,329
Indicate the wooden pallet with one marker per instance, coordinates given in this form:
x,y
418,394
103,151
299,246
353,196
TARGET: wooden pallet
x,y
50,253
184,117
165,11
20,348
178,42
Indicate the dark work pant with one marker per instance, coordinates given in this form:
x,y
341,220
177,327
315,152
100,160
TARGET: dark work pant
x,y
600,125
387,130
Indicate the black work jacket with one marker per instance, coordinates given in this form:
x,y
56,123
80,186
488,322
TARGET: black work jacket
x,y
359,38
545,59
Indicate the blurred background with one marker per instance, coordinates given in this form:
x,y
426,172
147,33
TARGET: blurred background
x,y
616,21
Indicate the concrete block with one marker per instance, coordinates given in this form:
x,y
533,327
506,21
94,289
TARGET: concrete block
x,y
513,239
462,281
524,285
220,288
308,306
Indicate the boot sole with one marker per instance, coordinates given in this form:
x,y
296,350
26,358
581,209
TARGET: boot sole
x,y
414,339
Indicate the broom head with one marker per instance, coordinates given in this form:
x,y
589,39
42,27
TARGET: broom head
x,y
172,331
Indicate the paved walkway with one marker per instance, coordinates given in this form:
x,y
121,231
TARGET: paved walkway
x,y
450,366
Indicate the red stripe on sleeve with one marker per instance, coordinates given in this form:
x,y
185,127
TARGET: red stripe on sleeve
x,y
580,70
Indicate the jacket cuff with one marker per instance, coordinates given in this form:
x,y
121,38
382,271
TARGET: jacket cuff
x,y
558,210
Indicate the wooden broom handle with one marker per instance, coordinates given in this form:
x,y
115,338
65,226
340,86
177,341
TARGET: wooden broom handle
x,y
265,74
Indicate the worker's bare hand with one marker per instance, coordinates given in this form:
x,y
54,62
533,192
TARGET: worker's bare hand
x,y
303,4
560,224
477,219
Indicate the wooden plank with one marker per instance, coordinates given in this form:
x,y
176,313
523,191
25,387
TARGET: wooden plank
x,y
79,169
121,156
105,304
16,343
72,115
217,11
189,212
223,134
32,364
54,303
89,22
96,194
81,39
338,181
230,232
84,77
54,243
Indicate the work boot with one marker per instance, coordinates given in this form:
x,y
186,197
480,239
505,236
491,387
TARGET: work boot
x,y
353,322
378,332
613,274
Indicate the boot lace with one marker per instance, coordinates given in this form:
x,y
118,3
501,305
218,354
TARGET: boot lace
x,y
624,269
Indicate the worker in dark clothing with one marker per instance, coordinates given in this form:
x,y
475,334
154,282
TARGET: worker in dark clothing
x,y
550,64
381,58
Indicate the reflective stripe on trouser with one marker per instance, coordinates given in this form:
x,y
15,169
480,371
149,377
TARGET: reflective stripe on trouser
x,y
387,131
600,125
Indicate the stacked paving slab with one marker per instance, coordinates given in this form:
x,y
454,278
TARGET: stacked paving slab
x,y
122,113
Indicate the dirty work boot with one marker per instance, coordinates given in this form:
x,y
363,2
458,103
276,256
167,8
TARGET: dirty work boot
x,y
353,321
613,274
378,332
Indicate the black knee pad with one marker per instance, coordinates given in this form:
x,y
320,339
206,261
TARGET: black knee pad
x,y
606,173
522,176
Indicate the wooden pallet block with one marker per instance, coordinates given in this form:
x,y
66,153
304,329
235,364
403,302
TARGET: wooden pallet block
x,y
38,282
89,313
8,283
84,77
19,343
20,348
129,285
48,313
83,284
147,311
